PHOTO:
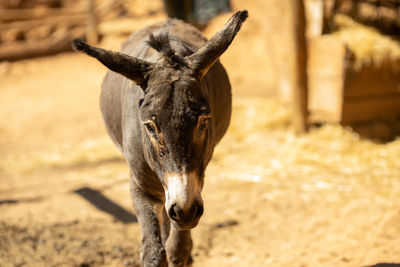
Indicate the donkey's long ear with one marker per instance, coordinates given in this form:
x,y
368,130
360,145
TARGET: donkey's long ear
x,y
132,68
205,57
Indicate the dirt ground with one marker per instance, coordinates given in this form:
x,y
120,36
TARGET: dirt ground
x,y
325,198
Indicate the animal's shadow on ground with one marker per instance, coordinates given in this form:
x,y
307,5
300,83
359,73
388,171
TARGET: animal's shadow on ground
x,y
16,201
385,265
101,202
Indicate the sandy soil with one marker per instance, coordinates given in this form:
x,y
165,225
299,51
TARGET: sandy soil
x,y
326,198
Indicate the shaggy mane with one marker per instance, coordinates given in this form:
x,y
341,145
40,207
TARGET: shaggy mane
x,y
160,43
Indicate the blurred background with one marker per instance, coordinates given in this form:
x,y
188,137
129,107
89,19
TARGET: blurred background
x,y
307,175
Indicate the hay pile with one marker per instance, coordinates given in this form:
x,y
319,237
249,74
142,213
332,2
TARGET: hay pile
x,y
264,148
369,47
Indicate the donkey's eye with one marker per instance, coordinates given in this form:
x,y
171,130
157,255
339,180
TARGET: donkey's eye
x,y
204,121
203,124
151,128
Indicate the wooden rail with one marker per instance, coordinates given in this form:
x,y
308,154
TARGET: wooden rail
x,y
21,33
7,15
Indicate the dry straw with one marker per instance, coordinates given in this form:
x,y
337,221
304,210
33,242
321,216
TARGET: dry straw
x,y
368,45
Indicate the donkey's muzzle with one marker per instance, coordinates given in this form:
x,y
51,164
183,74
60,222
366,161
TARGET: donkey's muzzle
x,y
186,218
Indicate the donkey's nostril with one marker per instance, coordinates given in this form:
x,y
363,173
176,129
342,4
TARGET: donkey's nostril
x,y
181,216
200,210
172,212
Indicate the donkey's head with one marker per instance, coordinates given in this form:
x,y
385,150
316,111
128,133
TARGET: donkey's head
x,y
175,115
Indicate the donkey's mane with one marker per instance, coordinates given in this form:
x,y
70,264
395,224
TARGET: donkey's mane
x,y
161,44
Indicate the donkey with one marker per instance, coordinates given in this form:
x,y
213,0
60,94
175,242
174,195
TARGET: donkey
x,y
166,113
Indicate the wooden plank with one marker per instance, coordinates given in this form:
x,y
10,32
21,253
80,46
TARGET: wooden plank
x,y
322,116
36,13
314,17
325,78
55,17
39,48
299,67
325,97
359,109
326,55
348,96
372,81
77,19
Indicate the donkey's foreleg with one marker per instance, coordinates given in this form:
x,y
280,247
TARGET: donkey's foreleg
x,y
165,226
152,252
179,246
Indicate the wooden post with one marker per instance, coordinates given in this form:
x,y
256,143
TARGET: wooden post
x,y
314,17
91,25
299,67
